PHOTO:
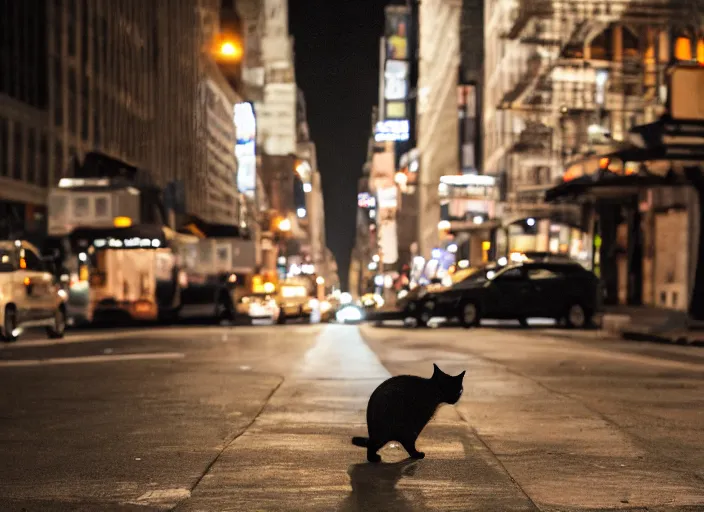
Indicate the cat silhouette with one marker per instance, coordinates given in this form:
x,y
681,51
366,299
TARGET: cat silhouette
x,y
401,407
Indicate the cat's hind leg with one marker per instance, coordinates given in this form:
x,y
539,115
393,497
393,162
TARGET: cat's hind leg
x,y
409,444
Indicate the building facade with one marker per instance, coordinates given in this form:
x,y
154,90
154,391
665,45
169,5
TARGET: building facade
x,y
563,81
95,76
218,101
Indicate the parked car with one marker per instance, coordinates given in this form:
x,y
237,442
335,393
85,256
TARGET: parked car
x,y
29,294
294,301
410,304
416,306
257,306
520,291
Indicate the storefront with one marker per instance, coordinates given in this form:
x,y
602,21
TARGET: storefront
x,y
645,216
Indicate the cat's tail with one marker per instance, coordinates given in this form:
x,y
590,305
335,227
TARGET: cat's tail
x,y
362,442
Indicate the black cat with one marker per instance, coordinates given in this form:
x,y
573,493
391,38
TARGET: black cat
x,y
401,407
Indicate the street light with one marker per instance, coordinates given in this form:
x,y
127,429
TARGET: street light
x,y
320,280
230,50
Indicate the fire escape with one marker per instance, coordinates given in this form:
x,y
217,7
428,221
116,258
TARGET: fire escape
x,y
592,72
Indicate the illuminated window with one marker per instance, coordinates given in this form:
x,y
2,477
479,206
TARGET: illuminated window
x,y
683,48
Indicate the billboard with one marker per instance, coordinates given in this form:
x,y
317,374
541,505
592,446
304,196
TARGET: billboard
x,y
396,80
387,198
245,148
396,110
392,130
277,119
366,200
396,32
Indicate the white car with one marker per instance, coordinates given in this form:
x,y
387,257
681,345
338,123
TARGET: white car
x,y
257,307
29,296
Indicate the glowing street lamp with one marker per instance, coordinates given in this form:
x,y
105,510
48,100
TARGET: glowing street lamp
x,y
229,50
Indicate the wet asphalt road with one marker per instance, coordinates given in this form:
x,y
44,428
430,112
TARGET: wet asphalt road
x,y
259,418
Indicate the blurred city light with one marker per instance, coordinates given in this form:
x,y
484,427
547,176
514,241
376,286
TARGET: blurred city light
x,y
284,225
230,50
320,280
349,313
683,48
531,222
301,212
307,188
122,222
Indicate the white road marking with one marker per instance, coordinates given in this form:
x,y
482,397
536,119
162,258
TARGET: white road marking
x,y
80,338
91,359
116,335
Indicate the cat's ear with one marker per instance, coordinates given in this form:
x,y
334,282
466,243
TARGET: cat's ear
x,y
461,375
436,370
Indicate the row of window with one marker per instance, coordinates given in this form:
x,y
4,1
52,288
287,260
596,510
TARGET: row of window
x,y
24,154
23,51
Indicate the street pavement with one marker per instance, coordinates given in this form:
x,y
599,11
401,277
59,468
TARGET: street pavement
x,y
260,418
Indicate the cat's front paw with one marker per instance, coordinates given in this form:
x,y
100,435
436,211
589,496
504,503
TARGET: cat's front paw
x,y
418,455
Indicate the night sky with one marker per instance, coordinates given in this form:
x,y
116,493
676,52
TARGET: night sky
x,y
337,66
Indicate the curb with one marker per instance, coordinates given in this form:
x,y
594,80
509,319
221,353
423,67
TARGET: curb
x,y
684,339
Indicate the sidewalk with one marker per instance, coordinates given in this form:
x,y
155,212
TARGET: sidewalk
x,y
297,454
645,323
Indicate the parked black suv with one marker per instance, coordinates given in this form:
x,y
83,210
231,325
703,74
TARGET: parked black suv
x,y
520,291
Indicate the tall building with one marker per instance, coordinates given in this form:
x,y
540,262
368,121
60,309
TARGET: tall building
x,y
437,135
218,101
565,80
28,158
121,77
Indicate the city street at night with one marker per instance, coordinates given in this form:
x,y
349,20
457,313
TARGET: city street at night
x,y
200,418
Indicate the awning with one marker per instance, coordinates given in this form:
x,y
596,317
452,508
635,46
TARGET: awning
x,y
468,226
608,183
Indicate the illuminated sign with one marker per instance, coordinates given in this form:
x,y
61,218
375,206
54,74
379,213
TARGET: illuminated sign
x,y
468,180
392,130
126,243
396,80
387,197
366,200
245,148
396,32
396,110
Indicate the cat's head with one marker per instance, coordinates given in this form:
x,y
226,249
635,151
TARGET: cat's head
x,y
450,385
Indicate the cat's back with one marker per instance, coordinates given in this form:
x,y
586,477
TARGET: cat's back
x,y
400,386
